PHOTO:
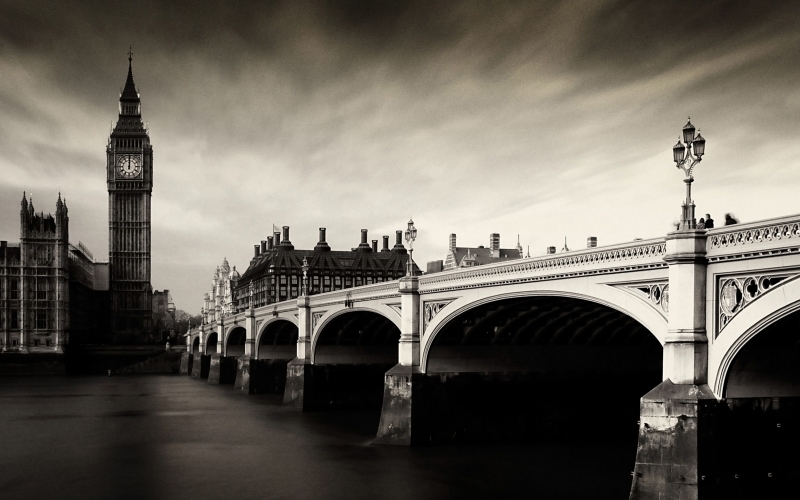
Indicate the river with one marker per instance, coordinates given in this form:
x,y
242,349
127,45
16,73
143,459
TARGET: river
x,y
175,437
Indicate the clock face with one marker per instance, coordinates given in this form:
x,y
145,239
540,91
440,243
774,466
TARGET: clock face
x,y
129,166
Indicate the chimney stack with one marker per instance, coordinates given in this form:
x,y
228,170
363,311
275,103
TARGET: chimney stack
x,y
494,244
286,236
263,246
374,245
398,243
591,242
551,250
364,245
322,245
452,247
256,248
269,243
385,244
276,237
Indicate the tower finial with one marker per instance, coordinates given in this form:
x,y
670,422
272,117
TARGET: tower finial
x,y
130,56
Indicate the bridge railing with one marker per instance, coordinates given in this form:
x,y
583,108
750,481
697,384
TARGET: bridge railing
x,y
648,253
364,292
766,237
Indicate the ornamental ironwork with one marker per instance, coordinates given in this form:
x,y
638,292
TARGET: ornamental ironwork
x,y
756,235
431,309
736,293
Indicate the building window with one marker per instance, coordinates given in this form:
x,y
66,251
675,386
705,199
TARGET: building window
x,y
14,318
41,320
13,291
35,342
41,294
14,342
283,279
47,342
337,281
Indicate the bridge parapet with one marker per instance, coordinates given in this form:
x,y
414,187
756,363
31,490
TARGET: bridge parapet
x,y
365,292
760,238
613,258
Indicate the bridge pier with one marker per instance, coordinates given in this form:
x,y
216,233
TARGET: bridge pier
x,y
299,371
187,360
677,417
200,365
246,366
403,393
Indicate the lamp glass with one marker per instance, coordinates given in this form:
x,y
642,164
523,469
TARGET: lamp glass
x,y
677,152
688,132
699,145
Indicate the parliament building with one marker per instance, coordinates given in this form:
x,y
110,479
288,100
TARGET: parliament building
x,y
52,292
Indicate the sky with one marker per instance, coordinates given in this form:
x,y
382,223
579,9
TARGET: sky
x,y
547,120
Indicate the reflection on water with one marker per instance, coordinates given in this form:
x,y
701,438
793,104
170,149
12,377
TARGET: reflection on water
x,y
174,437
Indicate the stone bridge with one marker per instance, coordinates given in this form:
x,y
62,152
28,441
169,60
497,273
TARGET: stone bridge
x,y
676,327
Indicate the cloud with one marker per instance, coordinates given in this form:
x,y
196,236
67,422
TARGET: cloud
x,y
543,119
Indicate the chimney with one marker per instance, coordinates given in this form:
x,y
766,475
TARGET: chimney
x,y
322,245
364,245
286,241
276,236
452,247
494,244
263,246
374,245
398,243
256,248
269,243
591,242
551,250
385,244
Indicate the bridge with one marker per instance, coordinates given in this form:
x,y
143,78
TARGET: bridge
x,y
678,327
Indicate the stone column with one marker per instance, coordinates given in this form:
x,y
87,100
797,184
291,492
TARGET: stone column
x,y
299,371
408,354
677,415
404,385
221,370
246,366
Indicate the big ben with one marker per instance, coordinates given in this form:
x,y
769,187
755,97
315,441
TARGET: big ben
x,y
129,169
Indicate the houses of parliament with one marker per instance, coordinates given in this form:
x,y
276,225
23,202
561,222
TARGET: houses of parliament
x,y
53,292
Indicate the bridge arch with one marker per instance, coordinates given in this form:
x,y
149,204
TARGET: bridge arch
x,y
195,344
756,327
211,343
610,297
277,339
235,338
333,318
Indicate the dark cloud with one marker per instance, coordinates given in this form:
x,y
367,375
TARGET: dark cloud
x,y
474,117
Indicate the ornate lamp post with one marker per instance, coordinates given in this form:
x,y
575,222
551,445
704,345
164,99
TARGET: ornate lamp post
x,y
305,268
411,235
271,285
687,157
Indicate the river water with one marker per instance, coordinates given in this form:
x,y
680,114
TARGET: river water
x,y
175,437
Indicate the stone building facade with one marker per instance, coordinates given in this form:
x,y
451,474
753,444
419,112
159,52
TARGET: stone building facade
x,y
34,282
275,272
480,255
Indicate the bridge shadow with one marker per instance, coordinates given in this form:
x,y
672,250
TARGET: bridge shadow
x,y
352,353
539,368
756,428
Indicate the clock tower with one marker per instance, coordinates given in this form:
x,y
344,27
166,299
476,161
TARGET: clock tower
x,y
129,175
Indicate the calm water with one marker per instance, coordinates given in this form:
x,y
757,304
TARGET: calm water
x,y
174,437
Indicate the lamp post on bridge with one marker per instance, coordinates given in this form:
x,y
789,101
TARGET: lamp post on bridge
x,y
411,235
305,268
687,157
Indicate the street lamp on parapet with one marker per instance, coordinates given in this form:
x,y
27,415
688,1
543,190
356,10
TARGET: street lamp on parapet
x,y
687,157
305,268
411,235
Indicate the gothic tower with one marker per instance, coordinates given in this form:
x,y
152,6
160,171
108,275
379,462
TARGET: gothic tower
x,y
129,168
